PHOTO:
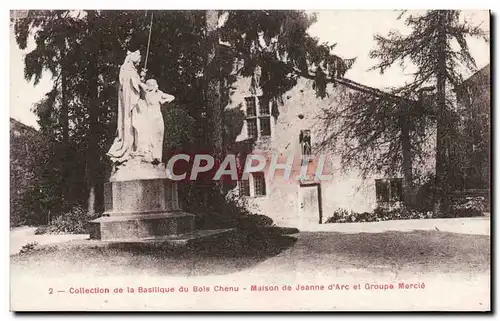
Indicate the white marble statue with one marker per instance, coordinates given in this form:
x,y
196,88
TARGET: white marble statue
x,y
140,126
149,122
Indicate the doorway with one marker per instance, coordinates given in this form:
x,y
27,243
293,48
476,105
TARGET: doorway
x,y
310,207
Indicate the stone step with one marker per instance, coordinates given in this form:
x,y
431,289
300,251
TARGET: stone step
x,y
141,226
180,240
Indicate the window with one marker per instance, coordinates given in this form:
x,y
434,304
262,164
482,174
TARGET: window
x,y
263,106
244,187
258,119
265,126
252,127
251,109
389,190
396,190
305,142
259,184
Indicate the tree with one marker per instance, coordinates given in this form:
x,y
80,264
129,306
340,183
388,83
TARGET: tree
x,y
277,43
213,82
430,48
51,54
94,46
375,131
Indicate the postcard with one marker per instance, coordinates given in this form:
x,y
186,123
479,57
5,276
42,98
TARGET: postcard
x,y
250,160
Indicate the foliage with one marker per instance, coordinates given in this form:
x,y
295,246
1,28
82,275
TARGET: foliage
x,y
254,221
402,213
422,46
463,212
213,209
72,222
367,130
470,206
180,129
430,48
28,247
25,147
470,148
425,192
278,44
42,229
379,214
340,216
82,50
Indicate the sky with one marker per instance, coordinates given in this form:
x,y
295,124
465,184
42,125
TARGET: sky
x,y
351,30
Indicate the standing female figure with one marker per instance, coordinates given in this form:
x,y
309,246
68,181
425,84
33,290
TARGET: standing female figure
x,y
129,90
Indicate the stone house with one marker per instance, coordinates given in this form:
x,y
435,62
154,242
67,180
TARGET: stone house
x,y
473,145
293,131
25,143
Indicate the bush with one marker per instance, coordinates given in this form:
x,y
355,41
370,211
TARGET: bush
x,y
402,213
254,234
72,222
42,230
478,203
471,206
29,247
379,214
341,215
468,212
250,221
425,197
215,210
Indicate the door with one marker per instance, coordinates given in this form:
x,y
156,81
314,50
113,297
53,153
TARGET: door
x,y
310,204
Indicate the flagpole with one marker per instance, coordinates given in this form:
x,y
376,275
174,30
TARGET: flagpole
x,y
149,42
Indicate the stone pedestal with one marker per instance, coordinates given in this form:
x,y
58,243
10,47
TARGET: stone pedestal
x,y
141,209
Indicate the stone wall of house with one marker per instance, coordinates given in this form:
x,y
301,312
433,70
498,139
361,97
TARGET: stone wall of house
x,y
25,144
473,135
302,110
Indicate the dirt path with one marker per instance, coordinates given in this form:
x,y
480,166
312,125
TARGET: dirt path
x,y
26,234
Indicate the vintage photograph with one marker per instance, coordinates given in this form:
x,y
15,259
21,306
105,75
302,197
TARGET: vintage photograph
x,y
250,160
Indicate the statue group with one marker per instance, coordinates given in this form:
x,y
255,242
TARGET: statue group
x,y
140,126
140,200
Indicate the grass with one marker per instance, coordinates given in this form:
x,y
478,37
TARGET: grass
x,y
219,256
312,252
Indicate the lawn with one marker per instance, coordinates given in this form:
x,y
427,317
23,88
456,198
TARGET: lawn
x,y
421,251
455,268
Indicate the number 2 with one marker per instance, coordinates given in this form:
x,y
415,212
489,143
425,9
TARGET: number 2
x,y
51,291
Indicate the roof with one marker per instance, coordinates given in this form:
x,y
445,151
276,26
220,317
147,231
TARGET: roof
x,y
485,71
18,124
370,90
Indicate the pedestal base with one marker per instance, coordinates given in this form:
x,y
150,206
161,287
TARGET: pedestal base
x,y
169,241
141,226
138,209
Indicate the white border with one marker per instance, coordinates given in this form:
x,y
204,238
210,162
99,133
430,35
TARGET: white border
x,y
227,4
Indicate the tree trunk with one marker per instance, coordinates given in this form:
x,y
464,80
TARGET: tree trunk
x,y
91,208
213,91
407,159
93,110
64,109
441,206
65,188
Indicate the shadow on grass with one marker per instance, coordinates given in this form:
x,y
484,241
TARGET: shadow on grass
x,y
312,252
221,255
